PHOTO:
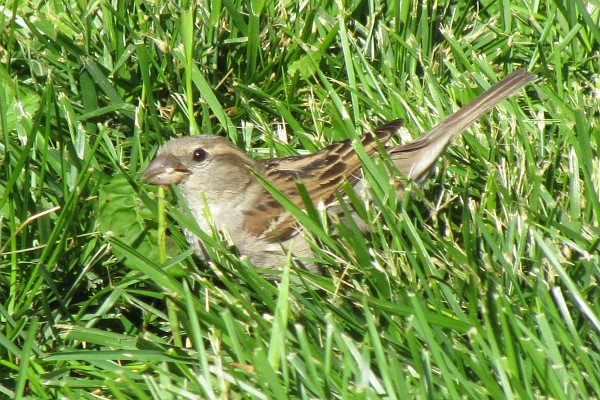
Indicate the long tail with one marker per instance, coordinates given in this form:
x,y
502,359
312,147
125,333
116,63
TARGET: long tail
x,y
416,158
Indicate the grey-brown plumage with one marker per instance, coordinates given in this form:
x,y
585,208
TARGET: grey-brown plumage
x,y
259,225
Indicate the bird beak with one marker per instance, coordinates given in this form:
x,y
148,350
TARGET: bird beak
x,y
164,170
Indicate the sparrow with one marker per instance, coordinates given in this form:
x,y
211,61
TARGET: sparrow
x,y
220,185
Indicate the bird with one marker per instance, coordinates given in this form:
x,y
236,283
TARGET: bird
x,y
222,188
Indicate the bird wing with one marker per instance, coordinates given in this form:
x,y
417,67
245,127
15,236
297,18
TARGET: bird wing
x,y
321,173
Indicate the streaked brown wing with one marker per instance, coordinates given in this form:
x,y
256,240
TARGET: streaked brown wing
x,y
322,173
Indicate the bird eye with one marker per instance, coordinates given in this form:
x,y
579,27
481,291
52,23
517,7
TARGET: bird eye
x,y
199,155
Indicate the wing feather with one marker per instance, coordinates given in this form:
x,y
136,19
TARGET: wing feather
x,y
322,173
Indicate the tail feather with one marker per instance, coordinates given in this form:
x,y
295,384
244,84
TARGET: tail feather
x,y
415,159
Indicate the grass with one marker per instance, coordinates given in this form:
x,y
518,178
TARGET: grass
x,y
483,284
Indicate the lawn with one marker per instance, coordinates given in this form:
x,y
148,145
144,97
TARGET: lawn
x,y
482,284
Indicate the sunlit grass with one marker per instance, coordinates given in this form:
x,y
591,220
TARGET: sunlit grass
x,y
482,284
